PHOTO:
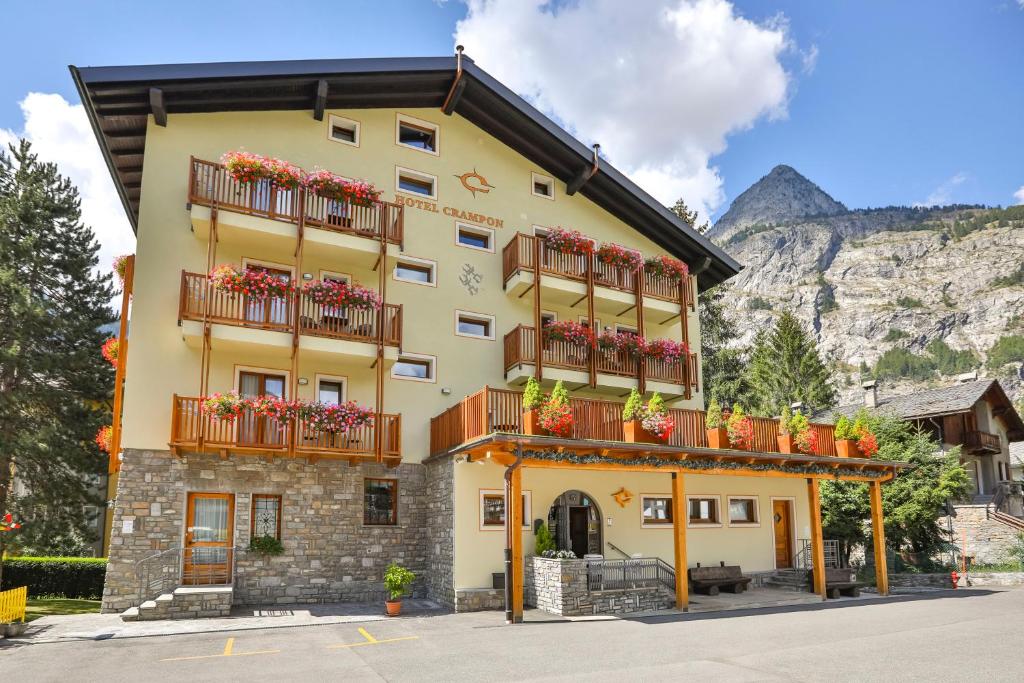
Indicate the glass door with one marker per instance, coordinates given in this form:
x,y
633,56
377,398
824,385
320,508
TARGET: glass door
x,y
208,539
255,430
273,311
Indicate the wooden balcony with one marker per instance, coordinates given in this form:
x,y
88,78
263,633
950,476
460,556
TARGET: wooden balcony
x,y
500,410
520,253
210,185
193,430
278,314
521,350
976,441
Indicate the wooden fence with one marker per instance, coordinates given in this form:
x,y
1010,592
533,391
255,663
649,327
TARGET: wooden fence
x,y
12,604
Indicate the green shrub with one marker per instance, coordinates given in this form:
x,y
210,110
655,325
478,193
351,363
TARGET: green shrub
x,y
844,429
949,361
909,302
1010,280
632,409
894,335
532,396
899,362
544,542
266,545
713,419
1008,349
759,304
397,579
69,577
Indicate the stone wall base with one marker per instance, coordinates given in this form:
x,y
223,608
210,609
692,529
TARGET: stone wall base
x,y
560,587
988,541
479,599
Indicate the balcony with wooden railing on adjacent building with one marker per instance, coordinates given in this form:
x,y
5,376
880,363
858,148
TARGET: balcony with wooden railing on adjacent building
x,y
263,212
976,441
320,323
192,429
615,371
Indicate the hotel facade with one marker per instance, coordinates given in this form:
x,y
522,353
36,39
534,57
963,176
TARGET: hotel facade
x,y
457,248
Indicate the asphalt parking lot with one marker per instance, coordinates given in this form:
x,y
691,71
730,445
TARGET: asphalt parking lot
x,y
949,635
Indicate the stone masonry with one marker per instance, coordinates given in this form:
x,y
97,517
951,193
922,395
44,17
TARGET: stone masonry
x,y
560,587
329,555
988,540
441,530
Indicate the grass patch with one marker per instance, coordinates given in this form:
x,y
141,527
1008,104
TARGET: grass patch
x,y
44,607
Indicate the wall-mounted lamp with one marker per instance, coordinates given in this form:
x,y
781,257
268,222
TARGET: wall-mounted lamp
x,y
446,391
303,381
307,276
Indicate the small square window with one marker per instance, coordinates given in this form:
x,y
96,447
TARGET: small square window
x,y
415,182
330,390
417,368
266,516
656,510
417,134
340,129
742,510
419,271
474,237
703,511
475,325
380,502
492,509
542,186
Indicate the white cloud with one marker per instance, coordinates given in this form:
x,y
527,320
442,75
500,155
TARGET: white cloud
x,y
659,83
1019,194
60,132
809,59
943,194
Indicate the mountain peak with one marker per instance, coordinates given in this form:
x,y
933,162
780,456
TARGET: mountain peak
x,y
782,195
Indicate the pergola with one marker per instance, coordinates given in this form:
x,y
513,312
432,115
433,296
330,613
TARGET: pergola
x,y
517,452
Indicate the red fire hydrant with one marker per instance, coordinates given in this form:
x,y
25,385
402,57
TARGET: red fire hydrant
x,y
955,577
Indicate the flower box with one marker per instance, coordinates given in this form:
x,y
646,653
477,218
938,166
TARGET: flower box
x,y
847,448
531,423
787,443
635,433
718,438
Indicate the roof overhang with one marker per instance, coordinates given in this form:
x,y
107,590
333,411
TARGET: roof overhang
x,y
119,101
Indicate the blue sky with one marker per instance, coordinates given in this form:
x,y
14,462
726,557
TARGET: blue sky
x,y
886,103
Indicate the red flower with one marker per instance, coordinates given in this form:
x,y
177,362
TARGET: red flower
x,y
103,437
110,350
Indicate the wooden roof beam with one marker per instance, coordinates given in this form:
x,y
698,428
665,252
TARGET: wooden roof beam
x,y
158,106
585,174
320,103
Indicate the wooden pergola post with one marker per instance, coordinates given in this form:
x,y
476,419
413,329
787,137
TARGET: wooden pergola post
x,y
878,534
679,541
817,543
514,543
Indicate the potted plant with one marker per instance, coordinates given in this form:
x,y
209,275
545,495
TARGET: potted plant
x,y
785,438
618,256
110,349
396,581
223,406
740,428
867,443
249,169
256,285
533,399
335,294
795,433
666,266
121,266
266,545
632,418
846,440
664,350
714,423
568,242
648,423
556,413
103,437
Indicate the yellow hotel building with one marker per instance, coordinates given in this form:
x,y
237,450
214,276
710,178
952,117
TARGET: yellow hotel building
x,y
472,180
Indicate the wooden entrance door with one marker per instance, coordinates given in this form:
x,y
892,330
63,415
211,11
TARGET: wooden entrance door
x,y
209,539
783,521
254,430
273,312
579,533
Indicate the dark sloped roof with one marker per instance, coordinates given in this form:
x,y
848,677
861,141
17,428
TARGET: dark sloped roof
x,y
118,101
958,398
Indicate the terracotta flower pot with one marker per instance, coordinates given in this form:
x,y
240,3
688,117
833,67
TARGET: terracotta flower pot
x,y
531,423
786,443
718,438
394,607
635,433
847,448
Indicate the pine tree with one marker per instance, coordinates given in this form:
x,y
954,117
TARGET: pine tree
x,y
54,385
689,216
785,367
723,367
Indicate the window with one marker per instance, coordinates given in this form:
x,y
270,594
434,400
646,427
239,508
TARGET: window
x,y
492,509
656,511
703,511
475,325
266,516
343,130
330,389
329,276
742,510
414,182
380,502
474,237
625,329
417,134
547,317
414,367
542,185
418,271
586,323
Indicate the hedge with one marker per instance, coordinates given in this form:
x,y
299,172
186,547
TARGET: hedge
x,y
69,577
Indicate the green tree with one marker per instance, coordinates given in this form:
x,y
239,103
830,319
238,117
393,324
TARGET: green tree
x,y
689,216
1007,349
722,365
784,367
54,384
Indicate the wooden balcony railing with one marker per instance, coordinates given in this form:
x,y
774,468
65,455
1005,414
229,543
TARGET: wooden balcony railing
x,y
521,348
255,432
210,184
976,441
500,410
518,255
277,313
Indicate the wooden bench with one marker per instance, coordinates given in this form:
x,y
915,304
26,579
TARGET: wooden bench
x,y
840,582
709,580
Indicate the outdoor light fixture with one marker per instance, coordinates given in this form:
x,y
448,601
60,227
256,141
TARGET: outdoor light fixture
x,y
446,391
303,381
307,276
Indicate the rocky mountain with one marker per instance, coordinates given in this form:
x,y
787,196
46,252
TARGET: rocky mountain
x,y
914,296
782,195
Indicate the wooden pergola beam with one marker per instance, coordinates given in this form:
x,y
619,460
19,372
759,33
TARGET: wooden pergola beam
x,y
817,542
878,536
679,541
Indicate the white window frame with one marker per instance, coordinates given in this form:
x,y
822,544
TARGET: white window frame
x,y
355,125
544,179
418,123
480,230
330,378
757,511
481,317
655,525
248,261
621,327
416,356
595,328
324,274
718,508
419,175
540,230
417,261
527,515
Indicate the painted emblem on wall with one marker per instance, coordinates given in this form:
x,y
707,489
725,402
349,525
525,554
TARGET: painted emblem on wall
x,y
622,497
474,182
471,279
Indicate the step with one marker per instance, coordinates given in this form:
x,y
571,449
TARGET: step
x,y
130,614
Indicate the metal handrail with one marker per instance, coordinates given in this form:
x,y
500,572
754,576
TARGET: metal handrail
x,y
804,560
156,571
644,572
165,570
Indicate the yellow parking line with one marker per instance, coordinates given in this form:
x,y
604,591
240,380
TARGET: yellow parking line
x,y
370,640
229,651
366,635
229,646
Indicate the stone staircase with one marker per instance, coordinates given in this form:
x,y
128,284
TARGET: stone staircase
x,y
797,580
185,602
